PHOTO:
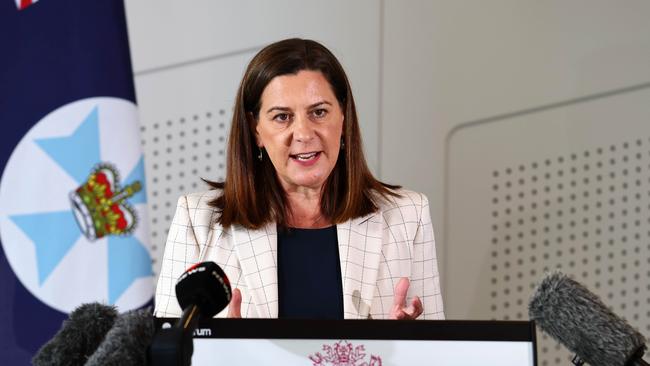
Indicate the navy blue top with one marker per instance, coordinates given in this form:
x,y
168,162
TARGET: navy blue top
x,y
309,274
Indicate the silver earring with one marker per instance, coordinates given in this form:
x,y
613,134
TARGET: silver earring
x,y
342,143
260,156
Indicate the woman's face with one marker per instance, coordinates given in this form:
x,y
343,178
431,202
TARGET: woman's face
x,y
300,125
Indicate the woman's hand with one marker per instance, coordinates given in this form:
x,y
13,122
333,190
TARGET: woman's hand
x,y
234,308
400,309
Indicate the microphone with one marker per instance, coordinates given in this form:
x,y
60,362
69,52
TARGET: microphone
x,y
579,320
202,291
79,336
127,341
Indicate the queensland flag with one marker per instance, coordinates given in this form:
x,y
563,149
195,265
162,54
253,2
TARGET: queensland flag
x,y
72,189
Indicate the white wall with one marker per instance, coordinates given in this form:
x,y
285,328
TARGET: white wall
x,y
454,73
447,63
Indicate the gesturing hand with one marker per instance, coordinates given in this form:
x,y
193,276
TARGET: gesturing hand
x,y
400,309
234,308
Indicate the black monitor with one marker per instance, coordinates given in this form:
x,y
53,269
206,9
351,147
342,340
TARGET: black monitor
x,y
362,342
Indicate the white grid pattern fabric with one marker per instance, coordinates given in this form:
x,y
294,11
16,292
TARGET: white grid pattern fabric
x,y
375,250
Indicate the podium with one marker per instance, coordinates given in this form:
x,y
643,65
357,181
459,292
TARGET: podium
x,y
362,342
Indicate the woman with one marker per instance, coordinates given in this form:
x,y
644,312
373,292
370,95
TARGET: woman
x,y
300,226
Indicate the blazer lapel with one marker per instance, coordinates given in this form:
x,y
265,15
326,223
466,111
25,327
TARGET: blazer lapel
x,y
257,252
360,242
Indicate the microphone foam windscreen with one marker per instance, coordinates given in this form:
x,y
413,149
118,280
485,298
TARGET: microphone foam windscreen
x,y
205,285
126,343
79,336
577,318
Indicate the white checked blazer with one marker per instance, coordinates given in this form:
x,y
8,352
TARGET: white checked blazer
x,y
375,251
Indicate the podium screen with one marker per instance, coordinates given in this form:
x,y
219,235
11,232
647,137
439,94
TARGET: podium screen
x,y
362,342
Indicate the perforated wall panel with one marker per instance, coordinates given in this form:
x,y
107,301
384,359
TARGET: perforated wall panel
x,y
179,153
565,187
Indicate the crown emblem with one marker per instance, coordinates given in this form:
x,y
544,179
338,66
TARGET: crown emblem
x,y
100,206
343,353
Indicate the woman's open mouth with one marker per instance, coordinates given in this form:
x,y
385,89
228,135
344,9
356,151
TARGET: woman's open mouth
x,y
306,158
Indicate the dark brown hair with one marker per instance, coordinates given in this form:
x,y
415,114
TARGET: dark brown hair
x,y
251,194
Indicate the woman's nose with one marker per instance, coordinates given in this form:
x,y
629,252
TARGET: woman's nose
x,y
302,129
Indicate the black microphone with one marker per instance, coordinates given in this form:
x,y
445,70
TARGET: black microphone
x,y
127,341
577,318
79,336
202,291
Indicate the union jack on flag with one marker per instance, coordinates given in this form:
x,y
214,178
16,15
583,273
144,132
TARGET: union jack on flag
x,y
22,4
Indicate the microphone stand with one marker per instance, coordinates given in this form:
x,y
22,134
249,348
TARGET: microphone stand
x,y
189,319
174,346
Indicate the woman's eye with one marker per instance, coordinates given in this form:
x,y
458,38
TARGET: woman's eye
x,y
282,117
320,113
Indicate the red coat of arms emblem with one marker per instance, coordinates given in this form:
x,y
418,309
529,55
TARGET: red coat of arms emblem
x,y
343,353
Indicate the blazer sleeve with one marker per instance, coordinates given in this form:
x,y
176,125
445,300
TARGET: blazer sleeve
x,y
181,251
425,279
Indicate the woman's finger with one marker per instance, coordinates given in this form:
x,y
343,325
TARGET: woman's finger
x,y
401,289
399,299
234,308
